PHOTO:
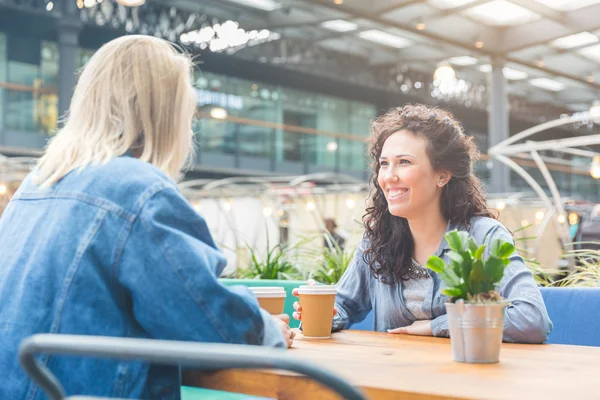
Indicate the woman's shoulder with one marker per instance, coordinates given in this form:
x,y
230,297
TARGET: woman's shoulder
x,y
482,227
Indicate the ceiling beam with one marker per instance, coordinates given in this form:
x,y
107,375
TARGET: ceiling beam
x,y
455,10
399,6
539,8
486,51
543,31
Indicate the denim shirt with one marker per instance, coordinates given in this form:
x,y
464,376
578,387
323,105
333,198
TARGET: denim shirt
x,y
114,250
360,292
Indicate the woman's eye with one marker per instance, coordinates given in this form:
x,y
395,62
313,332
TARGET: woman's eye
x,y
383,163
404,162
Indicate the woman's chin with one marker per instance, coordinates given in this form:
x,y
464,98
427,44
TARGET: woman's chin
x,y
397,210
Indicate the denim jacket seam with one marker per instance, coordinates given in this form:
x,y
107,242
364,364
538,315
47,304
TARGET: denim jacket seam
x,y
127,228
197,297
95,201
71,272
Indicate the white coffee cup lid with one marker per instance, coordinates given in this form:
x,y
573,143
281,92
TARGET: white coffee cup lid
x,y
268,291
319,289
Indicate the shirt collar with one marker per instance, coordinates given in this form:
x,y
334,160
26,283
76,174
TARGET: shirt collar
x,y
444,246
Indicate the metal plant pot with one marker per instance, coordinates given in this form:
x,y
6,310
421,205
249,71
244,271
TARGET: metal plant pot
x,y
476,331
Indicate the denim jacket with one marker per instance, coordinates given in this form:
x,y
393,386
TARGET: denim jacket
x,y
114,250
360,292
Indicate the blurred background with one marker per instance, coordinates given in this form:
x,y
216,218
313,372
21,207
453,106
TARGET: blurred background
x,y
287,89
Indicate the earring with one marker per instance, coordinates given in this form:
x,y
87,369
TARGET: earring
x,y
441,183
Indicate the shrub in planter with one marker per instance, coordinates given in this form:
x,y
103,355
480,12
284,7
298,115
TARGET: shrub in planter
x,y
475,309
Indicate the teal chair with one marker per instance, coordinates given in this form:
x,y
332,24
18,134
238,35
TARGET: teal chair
x,y
191,393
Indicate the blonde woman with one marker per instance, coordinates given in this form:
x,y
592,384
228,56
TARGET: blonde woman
x,y
98,240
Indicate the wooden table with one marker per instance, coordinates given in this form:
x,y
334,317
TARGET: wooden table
x,y
387,366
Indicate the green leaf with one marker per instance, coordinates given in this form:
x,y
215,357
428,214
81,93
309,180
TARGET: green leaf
x,y
479,253
450,278
477,278
494,270
435,264
495,247
506,250
472,246
455,257
465,268
457,240
454,292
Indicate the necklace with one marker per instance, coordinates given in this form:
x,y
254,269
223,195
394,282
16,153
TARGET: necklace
x,y
416,271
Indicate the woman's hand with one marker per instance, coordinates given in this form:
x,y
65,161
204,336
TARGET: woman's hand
x,y
298,314
418,328
283,320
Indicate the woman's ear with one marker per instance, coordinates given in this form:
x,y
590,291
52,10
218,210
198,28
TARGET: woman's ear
x,y
443,179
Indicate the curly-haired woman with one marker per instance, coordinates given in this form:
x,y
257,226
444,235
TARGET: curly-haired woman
x,y
424,187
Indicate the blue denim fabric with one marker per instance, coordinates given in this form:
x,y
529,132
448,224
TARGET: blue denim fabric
x,y
114,250
359,293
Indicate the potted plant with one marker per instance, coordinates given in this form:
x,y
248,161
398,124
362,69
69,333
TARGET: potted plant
x,y
475,309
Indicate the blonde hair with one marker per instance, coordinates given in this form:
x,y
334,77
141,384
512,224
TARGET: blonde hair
x,y
135,94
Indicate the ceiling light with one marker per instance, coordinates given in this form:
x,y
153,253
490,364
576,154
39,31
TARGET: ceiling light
x,y
567,5
479,44
444,73
49,6
218,113
446,4
548,84
338,2
592,52
561,219
514,74
539,215
463,60
332,146
385,38
500,205
267,211
310,206
339,25
266,5
540,62
579,39
595,109
595,168
501,13
3,189
509,73
350,203
131,3
420,25
591,78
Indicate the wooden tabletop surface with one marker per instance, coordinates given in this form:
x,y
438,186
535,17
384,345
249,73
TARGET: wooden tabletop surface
x,y
387,366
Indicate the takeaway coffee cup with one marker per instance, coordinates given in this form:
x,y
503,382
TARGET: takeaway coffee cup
x,y
317,310
271,298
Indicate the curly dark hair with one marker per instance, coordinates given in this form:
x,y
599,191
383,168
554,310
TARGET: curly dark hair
x,y
449,149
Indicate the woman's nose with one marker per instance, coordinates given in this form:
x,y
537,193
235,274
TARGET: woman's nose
x,y
390,175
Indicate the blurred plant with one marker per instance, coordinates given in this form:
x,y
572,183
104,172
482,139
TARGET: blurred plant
x,y
587,269
332,262
468,276
278,263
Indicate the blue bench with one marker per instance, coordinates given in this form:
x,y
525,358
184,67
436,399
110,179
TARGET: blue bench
x,y
575,313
